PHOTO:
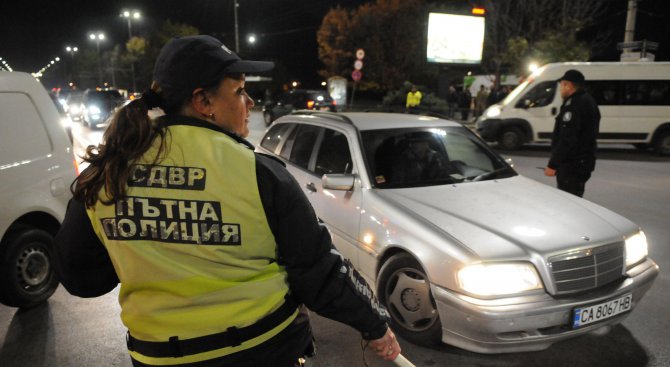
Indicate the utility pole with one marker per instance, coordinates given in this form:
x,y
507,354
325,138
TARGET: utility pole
x,y
629,35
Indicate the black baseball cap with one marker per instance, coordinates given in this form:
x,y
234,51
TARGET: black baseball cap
x,y
574,76
190,62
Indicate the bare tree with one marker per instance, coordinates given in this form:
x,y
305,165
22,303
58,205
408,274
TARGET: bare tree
x,y
536,22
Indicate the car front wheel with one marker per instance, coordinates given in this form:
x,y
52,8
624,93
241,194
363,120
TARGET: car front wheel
x,y
662,143
405,291
26,273
511,138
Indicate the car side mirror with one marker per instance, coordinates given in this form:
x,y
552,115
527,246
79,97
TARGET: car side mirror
x,y
338,181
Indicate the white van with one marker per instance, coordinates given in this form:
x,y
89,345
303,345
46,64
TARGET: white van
x,y
37,167
633,97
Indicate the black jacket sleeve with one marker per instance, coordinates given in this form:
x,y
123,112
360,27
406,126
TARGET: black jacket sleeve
x,y
81,261
318,275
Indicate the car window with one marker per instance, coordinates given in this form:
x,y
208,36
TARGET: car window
x,y
274,136
300,145
429,156
539,96
333,155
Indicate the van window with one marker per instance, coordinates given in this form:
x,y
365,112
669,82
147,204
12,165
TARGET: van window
x,y
646,92
24,135
605,92
539,96
630,92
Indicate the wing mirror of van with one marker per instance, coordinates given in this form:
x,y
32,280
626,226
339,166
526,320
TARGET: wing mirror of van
x,y
338,181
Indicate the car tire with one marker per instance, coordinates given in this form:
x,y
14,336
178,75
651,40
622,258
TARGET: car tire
x,y
662,143
268,118
404,289
27,276
511,138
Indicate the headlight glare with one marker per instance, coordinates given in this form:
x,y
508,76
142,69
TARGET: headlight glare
x,y
499,279
636,248
493,111
94,110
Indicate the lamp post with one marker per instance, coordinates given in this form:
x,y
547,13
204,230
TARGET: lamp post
x,y
131,14
71,50
97,38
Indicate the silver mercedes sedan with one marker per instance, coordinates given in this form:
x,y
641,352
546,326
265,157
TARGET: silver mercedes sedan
x,y
460,247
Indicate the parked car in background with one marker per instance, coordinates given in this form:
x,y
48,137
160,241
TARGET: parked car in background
x,y
633,97
99,105
74,106
461,249
298,99
37,166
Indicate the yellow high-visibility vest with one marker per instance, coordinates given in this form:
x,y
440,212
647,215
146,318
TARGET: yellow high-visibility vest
x,y
191,244
413,99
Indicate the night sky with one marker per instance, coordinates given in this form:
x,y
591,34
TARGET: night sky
x,y
34,32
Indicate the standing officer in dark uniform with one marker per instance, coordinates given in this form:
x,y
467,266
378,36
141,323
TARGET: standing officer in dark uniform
x,y
573,143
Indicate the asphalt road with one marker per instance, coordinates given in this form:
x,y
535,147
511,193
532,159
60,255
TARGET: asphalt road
x,y
73,332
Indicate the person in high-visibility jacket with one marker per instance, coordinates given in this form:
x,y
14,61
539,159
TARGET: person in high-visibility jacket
x,y
216,247
413,100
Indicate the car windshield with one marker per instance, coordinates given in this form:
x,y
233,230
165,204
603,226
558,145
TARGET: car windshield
x,y
417,157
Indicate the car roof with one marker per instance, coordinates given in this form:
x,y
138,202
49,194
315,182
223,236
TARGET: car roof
x,y
373,120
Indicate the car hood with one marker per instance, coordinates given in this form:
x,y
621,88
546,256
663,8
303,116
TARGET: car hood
x,y
511,218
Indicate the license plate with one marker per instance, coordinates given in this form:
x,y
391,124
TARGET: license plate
x,y
587,315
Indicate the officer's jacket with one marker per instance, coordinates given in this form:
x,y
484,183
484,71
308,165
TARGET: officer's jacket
x,y
208,238
575,130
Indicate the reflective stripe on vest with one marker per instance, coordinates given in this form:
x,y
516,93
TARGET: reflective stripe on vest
x,y
191,244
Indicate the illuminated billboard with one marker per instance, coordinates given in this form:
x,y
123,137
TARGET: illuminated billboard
x,y
455,39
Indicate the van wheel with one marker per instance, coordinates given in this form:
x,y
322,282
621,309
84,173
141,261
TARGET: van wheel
x,y
662,143
510,138
26,274
404,289
268,118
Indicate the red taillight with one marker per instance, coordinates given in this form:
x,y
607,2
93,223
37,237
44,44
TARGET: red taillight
x,y
334,103
76,165
310,104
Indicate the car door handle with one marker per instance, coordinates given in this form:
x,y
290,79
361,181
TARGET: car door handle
x,y
553,111
310,186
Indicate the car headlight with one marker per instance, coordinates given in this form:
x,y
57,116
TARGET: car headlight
x,y
636,248
493,111
66,121
75,109
499,279
94,110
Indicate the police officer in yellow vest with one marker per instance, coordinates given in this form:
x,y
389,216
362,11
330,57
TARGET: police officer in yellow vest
x,y
216,247
413,100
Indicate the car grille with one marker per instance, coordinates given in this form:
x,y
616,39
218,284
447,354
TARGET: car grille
x,y
587,269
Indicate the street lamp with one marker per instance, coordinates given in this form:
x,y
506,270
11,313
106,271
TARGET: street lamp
x,y
134,14
71,50
251,38
97,37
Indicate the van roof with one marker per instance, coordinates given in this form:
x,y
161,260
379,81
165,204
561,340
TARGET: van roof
x,y
607,70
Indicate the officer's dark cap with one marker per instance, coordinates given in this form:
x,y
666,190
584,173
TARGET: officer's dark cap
x,y
574,76
189,62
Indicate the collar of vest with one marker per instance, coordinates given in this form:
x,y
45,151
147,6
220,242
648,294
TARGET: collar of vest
x,y
174,120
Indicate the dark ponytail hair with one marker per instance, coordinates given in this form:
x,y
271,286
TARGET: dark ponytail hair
x,y
129,135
